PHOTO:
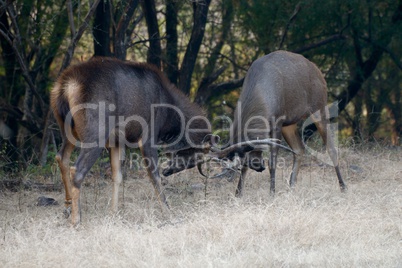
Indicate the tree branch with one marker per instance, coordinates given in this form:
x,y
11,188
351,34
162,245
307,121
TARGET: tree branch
x,y
226,27
367,67
71,18
70,51
225,87
330,39
144,41
394,57
155,50
292,18
172,60
197,34
18,115
16,44
204,90
120,45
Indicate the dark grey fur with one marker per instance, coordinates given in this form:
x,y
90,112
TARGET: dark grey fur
x,y
283,88
131,89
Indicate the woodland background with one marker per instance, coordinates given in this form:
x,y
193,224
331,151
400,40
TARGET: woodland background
x,y
204,47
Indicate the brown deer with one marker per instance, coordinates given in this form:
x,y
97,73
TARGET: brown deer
x,y
280,90
108,103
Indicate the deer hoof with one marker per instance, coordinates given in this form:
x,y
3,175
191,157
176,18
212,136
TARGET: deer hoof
x,y
67,212
344,189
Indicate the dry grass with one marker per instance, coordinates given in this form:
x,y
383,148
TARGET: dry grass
x,y
314,225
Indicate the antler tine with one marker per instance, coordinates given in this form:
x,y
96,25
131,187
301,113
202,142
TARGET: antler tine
x,y
269,142
228,167
218,152
212,158
215,149
199,167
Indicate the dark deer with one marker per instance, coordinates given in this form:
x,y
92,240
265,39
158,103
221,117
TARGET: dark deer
x,y
280,90
108,103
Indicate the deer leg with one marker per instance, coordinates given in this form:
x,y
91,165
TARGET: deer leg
x,y
150,155
292,137
85,161
275,133
63,160
272,167
240,184
115,161
328,140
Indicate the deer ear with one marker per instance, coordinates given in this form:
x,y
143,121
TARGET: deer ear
x,y
212,139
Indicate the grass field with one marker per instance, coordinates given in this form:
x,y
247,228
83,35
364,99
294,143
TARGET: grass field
x,y
314,225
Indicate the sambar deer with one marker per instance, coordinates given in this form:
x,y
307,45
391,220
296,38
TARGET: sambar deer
x,y
108,103
280,90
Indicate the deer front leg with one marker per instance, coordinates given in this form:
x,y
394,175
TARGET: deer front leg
x,y
240,184
272,168
274,154
151,159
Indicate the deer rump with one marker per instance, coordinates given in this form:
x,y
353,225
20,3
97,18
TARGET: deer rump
x,y
111,103
280,90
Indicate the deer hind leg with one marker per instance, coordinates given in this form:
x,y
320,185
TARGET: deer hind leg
x,y
292,137
116,154
240,184
85,161
322,126
63,160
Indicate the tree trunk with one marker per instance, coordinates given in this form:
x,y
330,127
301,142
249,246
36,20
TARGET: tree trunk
x,y
120,42
172,61
210,75
357,118
155,50
366,68
100,29
197,34
398,114
395,110
47,133
11,89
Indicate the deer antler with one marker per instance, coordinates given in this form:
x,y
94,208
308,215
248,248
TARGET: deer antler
x,y
217,154
247,146
232,166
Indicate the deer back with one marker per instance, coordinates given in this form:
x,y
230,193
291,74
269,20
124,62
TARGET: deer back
x,y
279,85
